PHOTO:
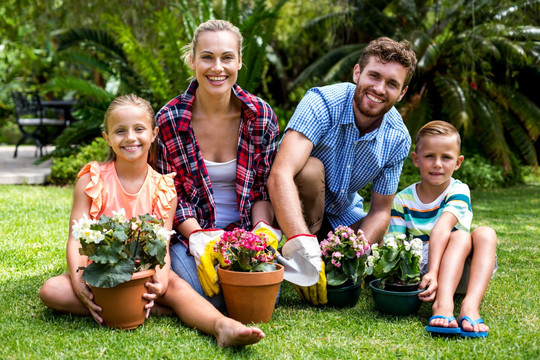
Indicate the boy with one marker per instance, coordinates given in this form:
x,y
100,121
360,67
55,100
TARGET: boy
x,y
438,211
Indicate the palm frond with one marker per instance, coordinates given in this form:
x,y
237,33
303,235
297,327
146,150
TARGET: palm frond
x,y
490,129
101,39
429,58
454,100
318,68
511,51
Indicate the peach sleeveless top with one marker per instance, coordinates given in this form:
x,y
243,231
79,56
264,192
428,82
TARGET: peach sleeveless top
x,y
107,193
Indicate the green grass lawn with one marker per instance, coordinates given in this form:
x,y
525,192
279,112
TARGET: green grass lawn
x,y
33,232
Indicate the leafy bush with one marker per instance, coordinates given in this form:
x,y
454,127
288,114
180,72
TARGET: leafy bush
x,y
476,171
64,170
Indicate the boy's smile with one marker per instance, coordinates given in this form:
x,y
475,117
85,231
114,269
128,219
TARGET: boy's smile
x,y
437,157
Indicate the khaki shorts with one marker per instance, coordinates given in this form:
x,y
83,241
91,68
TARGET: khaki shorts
x,y
464,281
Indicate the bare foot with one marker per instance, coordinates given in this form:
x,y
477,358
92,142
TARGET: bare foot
x,y
233,333
444,310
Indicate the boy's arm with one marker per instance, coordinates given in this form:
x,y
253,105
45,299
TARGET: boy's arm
x,y
438,240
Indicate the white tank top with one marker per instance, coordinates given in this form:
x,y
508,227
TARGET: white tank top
x,y
223,179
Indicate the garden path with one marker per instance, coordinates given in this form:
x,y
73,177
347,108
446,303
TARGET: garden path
x,y
21,170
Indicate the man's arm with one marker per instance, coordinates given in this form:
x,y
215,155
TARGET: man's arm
x,y
375,223
292,155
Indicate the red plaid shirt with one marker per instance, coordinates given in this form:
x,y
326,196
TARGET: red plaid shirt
x,y
178,151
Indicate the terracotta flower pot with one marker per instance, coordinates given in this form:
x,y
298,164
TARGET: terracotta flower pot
x,y
394,302
344,296
250,297
123,305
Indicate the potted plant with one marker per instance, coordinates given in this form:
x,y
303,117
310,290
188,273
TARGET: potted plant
x,y
122,257
249,279
344,253
396,265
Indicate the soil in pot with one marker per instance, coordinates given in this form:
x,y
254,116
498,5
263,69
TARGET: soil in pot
x,y
250,297
343,296
401,287
393,302
123,305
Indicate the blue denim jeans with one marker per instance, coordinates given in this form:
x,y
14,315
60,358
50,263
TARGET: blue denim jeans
x,y
184,265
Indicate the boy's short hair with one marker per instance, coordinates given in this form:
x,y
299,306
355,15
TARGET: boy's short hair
x,y
438,127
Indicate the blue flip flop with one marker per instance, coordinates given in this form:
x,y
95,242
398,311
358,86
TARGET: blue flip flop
x,y
472,334
439,330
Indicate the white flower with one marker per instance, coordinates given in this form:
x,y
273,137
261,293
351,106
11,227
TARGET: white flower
x,y
163,234
96,236
391,242
401,237
370,261
407,245
119,216
81,228
417,244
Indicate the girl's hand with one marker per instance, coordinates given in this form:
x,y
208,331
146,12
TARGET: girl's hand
x,y
83,292
155,290
429,282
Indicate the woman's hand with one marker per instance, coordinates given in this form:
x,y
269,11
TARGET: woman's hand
x,y
83,292
429,282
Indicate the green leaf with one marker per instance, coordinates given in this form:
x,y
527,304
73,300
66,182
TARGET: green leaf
x,y
156,248
107,275
108,254
335,277
264,267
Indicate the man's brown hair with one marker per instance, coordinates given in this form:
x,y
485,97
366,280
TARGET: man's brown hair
x,y
387,50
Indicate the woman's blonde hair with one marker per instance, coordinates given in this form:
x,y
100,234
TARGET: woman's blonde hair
x,y
131,100
214,26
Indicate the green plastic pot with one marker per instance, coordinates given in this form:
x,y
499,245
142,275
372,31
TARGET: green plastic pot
x,y
346,296
393,302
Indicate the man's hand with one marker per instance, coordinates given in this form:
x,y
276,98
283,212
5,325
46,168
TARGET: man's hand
x,y
308,247
314,294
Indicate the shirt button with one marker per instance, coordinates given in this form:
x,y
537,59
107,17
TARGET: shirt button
x,y
342,191
348,166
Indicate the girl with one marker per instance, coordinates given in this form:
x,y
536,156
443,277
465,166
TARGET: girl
x,y
221,141
126,180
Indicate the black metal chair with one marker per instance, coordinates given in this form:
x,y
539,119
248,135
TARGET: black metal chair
x,y
31,119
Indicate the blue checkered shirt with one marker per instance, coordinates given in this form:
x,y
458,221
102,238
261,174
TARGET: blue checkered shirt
x,y
325,116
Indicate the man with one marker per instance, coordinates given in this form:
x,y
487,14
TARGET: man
x,y
341,138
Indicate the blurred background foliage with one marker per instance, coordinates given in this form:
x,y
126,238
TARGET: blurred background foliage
x,y
479,61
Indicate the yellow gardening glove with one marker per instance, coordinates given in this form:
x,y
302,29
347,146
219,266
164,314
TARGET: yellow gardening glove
x,y
308,247
315,294
201,246
273,235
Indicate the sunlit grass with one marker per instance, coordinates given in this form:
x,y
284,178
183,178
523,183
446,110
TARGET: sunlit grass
x,y
33,232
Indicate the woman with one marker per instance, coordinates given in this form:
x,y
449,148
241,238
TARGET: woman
x,y
221,142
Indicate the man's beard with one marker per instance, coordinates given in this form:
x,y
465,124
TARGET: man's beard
x,y
359,95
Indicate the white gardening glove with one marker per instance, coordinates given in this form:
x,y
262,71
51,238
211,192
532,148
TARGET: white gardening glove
x,y
308,247
201,246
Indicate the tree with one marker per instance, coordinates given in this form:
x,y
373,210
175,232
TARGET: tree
x,y
474,59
